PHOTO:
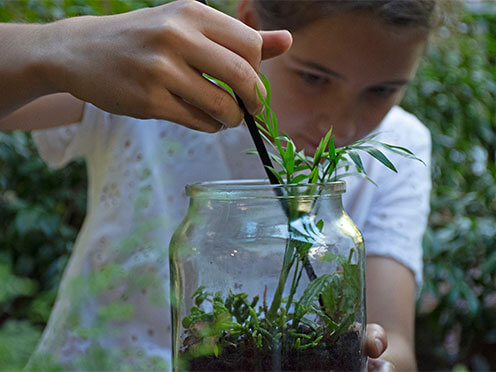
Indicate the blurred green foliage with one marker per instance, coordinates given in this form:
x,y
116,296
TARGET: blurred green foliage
x,y
41,11
41,211
454,94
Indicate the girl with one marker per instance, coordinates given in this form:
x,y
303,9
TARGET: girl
x,y
348,67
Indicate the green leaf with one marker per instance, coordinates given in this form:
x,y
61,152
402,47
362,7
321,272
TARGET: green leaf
x,y
314,175
299,178
265,115
306,160
321,148
301,168
327,138
264,130
266,84
186,322
289,159
221,83
352,277
330,324
275,126
275,173
332,149
382,158
331,257
357,160
313,291
402,149
320,225
277,159
345,323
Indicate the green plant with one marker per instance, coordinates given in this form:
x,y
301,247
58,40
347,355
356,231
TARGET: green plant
x,y
287,324
323,166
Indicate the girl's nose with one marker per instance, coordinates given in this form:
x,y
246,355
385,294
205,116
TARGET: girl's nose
x,y
344,128
345,132
324,123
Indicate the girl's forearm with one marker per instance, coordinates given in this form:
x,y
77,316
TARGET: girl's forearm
x,y
27,64
53,110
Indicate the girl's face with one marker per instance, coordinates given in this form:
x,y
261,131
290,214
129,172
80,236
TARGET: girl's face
x,y
345,71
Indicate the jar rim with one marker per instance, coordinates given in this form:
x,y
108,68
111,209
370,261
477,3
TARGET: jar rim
x,y
261,188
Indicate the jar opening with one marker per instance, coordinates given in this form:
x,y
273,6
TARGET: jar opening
x,y
263,189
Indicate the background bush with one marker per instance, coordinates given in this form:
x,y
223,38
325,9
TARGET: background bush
x,y
454,94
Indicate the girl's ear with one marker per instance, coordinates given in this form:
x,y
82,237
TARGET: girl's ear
x,y
246,14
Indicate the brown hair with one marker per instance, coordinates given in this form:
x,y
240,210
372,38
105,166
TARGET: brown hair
x,y
295,14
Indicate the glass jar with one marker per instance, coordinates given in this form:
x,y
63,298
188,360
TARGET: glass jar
x,y
267,277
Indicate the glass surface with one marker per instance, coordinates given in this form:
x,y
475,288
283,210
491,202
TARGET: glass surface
x,y
267,277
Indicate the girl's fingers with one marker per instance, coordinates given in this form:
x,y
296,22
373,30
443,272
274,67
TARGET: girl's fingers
x,y
181,112
275,43
227,66
232,34
375,341
378,365
214,101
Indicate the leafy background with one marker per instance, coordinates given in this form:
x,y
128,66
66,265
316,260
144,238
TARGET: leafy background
x,y
454,94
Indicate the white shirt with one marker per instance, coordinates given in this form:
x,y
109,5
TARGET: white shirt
x,y
113,295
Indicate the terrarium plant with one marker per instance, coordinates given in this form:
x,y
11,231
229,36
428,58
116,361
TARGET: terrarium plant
x,y
306,319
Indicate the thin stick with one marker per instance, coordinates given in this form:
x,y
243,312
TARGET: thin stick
x,y
267,163
257,140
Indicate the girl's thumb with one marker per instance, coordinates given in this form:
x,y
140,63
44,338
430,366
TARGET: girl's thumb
x,y
275,43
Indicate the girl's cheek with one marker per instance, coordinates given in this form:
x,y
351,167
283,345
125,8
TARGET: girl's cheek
x,y
370,120
374,111
292,109
290,126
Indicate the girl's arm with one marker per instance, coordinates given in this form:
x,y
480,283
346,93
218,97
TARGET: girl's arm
x,y
145,64
391,304
46,112
23,47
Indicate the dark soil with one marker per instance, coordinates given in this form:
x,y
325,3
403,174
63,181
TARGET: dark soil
x,y
341,355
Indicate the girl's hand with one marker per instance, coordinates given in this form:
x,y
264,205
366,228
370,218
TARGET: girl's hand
x,y
149,63
380,365
375,345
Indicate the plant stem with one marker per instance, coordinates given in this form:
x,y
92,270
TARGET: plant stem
x,y
286,267
296,280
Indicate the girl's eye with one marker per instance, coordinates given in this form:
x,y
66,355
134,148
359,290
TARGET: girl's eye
x,y
382,91
312,79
